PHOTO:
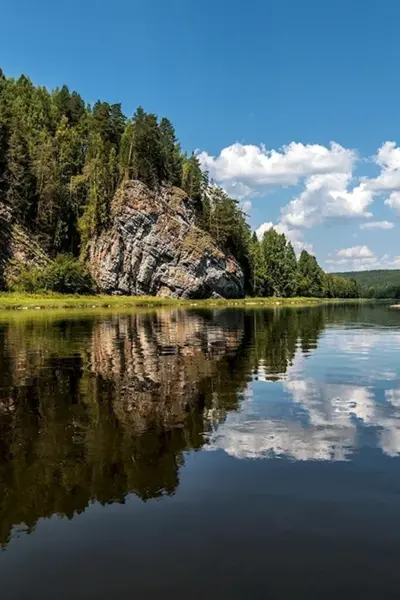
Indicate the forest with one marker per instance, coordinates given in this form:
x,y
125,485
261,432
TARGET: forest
x,y
382,283
62,160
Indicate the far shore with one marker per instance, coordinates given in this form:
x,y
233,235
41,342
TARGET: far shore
x,y
40,301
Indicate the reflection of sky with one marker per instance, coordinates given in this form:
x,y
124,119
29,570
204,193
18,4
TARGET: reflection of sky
x,y
342,397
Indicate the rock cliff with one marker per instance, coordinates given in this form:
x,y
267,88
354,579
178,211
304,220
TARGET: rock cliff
x,y
153,247
17,248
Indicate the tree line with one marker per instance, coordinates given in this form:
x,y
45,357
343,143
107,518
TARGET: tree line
x,y
61,161
276,271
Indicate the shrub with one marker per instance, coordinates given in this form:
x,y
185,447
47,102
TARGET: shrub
x,y
64,275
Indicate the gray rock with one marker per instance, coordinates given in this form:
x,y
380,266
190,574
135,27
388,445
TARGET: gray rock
x,y
153,247
17,248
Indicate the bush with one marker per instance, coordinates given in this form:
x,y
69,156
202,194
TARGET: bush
x,y
64,275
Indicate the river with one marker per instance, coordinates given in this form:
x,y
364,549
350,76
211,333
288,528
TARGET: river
x,y
204,453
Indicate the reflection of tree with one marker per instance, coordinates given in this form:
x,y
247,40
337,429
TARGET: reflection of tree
x,y
111,417
95,408
276,335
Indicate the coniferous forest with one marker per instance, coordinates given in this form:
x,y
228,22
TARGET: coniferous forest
x,y
61,161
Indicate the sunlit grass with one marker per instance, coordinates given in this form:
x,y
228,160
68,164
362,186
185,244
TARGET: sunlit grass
x,y
25,301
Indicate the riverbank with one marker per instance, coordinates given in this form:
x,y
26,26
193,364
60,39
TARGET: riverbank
x,y
24,301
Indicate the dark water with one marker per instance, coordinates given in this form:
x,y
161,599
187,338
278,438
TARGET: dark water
x,y
219,454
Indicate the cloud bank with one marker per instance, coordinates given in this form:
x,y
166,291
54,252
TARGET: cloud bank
x,y
330,191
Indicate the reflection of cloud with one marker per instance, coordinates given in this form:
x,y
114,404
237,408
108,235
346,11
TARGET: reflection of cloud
x,y
254,439
393,396
322,420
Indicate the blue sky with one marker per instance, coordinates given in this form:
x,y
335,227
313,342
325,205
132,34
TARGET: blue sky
x,y
261,88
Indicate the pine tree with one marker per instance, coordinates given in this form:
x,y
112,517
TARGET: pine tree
x,y
147,154
20,180
290,277
257,266
172,157
99,185
310,276
274,249
48,190
125,159
192,178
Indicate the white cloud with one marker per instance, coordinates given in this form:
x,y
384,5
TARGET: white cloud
x,y
388,180
356,258
388,159
357,252
257,166
394,201
246,206
330,190
361,258
378,224
327,196
246,170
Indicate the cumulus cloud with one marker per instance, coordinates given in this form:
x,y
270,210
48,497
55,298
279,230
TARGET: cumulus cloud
x,y
357,252
388,180
377,224
360,258
256,166
246,206
388,159
394,201
330,190
327,196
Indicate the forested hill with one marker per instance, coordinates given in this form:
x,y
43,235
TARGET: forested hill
x,y
380,283
62,162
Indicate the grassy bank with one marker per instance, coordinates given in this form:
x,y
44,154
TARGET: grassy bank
x,y
23,301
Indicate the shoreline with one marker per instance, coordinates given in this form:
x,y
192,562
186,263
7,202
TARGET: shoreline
x,y
14,301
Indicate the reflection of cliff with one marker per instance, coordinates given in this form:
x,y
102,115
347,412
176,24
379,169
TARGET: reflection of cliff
x,y
160,366
112,416
96,408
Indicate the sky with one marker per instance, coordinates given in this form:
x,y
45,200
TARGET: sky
x,y
292,105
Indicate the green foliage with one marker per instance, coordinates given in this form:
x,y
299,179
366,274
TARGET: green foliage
x,y
384,283
171,153
223,218
61,162
258,268
64,275
310,280
192,177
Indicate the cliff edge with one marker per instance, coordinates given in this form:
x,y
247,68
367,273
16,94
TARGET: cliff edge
x,y
153,247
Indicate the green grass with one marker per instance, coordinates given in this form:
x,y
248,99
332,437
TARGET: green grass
x,y
25,301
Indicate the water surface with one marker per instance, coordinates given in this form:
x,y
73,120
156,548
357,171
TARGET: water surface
x,y
219,453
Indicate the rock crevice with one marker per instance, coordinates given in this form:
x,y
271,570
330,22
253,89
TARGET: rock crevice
x,y
153,247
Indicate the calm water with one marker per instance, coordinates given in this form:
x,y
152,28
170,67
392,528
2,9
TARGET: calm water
x,y
219,454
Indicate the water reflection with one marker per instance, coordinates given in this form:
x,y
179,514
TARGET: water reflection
x,y
95,408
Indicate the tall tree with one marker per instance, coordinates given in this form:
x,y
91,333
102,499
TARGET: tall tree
x,y
21,184
125,158
171,153
192,177
310,276
147,154
274,249
290,276
257,265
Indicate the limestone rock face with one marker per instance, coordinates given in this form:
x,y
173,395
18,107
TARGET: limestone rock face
x,y
17,248
153,247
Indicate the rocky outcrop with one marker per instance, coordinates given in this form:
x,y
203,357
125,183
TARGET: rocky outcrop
x,y
17,248
153,247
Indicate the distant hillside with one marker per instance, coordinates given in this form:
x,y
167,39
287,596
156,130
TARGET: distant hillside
x,y
382,283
